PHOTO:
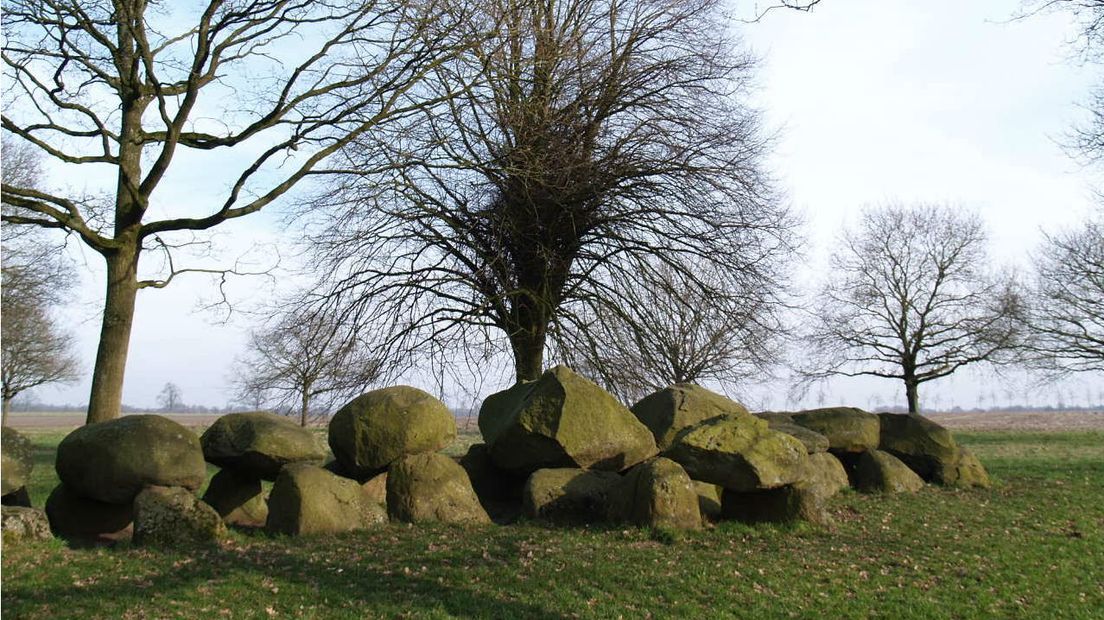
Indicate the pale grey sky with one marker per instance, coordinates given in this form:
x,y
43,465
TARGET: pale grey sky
x,y
938,100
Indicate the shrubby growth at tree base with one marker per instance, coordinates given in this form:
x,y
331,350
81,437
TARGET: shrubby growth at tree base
x,y
722,463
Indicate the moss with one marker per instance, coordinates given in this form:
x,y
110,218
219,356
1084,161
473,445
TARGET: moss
x,y
307,499
657,493
173,516
847,429
738,453
432,488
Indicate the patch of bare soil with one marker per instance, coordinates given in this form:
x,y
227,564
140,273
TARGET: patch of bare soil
x,y
1021,420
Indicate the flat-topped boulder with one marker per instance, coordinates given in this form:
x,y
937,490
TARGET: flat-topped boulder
x,y
379,427
174,516
562,420
307,499
259,443
657,493
666,412
569,494
875,471
113,461
738,453
432,488
18,460
848,429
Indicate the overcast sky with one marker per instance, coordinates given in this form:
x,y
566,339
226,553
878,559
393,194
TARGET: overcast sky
x,y
875,100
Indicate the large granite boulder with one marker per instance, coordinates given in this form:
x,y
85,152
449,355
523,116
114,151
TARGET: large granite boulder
x,y
431,488
569,495
847,429
875,471
813,441
259,443
377,428
83,520
562,421
23,523
112,461
18,460
926,447
656,493
239,499
709,499
738,453
307,499
666,412
174,516
824,475
965,472
781,505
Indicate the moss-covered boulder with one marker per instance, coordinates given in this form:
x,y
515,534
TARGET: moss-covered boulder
x,y
432,488
738,453
174,516
709,499
824,475
259,443
81,520
17,456
569,495
239,499
965,472
376,489
377,428
847,429
562,421
112,461
656,493
666,412
23,523
926,447
307,499
785,504
813,441
875,471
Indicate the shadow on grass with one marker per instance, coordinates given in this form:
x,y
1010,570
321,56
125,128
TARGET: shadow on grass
x,y
228,577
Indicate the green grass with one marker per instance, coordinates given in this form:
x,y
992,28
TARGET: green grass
x,y
1031,547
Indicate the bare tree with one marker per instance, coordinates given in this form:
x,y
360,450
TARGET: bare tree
x,y
33,350
677,334
171,398
1066,319
594,140
301,358
909,297
125,87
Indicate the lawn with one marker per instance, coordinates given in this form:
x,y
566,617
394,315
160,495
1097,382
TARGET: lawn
x,y
1031,547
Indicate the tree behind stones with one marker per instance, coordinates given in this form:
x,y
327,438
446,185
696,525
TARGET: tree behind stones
x,y
910,296
171,398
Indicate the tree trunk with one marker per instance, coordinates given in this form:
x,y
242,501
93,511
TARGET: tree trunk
x,y
106,399
304,408
912,394
6,408
528,350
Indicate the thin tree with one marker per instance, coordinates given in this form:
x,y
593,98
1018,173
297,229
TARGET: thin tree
x,y
1066,319
909,297
678,335
301,358
128,87
171,398
594,140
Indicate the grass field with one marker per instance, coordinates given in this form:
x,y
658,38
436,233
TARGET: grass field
x,y
1031,547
